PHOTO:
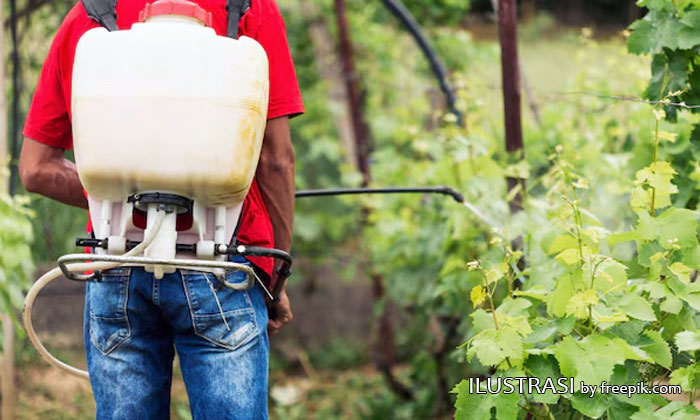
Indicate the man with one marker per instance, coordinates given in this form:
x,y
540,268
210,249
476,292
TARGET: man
x,y
133,322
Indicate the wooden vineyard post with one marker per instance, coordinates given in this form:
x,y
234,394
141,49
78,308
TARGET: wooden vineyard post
x,y
385,351
7,367
4,157
507,30
363,142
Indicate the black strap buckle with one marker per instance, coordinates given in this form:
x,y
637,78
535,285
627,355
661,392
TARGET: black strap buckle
x,y
236,9
103,12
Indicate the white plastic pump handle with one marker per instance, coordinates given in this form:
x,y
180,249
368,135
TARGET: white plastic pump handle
x,y
56,273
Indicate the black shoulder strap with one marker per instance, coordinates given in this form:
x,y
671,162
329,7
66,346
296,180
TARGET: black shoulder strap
x,y
103,12
235,9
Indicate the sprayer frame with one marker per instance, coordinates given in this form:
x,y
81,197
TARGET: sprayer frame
x,y
178,263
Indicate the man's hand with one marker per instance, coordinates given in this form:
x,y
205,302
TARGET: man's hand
x,y
280,314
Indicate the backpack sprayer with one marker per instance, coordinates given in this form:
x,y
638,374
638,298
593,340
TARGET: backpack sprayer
x,y
168,120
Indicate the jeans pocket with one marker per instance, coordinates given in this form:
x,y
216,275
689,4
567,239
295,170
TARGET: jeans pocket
x,y
238,328
220,315
109,321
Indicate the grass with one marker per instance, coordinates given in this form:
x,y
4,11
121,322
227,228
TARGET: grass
x,y
50,394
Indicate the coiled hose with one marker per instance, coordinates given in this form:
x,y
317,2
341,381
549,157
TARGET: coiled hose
x,y
56,273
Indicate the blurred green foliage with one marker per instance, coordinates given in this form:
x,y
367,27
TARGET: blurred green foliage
x,y
16,263
439,12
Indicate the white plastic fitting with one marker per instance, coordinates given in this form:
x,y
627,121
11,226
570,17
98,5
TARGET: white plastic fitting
x,y
116,245
164,244
205,250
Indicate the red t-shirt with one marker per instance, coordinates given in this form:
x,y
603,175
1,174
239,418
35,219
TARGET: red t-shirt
x,y
49,118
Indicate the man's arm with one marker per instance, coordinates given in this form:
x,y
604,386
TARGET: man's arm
x,y
45,170
275,177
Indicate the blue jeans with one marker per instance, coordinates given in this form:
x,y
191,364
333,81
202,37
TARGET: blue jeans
x,y
134,324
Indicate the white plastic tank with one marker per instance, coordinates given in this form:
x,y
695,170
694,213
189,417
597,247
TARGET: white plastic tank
x,y
169,106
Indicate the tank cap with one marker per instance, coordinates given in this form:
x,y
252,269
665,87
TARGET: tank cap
x,y
175,7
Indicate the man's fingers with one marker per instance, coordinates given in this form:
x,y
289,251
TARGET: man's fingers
x,y
273,326
281,315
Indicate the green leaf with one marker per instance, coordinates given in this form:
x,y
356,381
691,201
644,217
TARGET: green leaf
x,y
495,274
664,31
543,367
518,323
689,292
618,238
559,298
620,410
687,377
688,340
669,72
590,360
676,410
631,352
579,303
565,325
535,292
657,348
656,5
640,198
673,324
672,305
692,257
611,275
641,40
514,307
493,346
478,295
568,256
681,271
657,176
677,224
513,313
542,333
473,406
561,243
657,290
690,33
637,307
693,299
592,407
481,320
605,317
629,331
668,29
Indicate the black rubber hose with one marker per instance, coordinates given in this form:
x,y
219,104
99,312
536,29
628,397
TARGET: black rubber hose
x,y
456,195
256,251
284,271
401,12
